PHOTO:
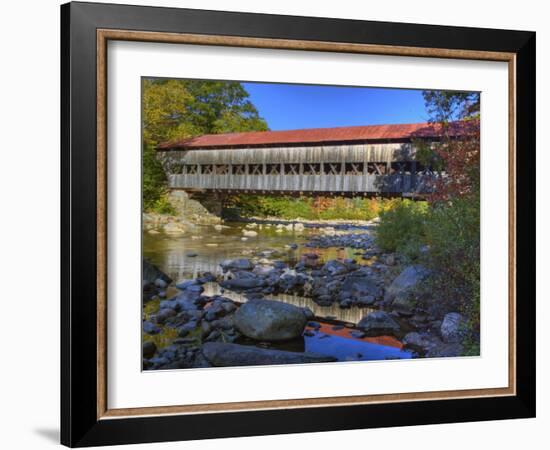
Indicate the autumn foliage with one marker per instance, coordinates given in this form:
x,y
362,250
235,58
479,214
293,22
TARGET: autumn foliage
x,y
460,160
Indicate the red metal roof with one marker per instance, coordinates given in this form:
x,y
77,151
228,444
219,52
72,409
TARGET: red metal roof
x,y
307,136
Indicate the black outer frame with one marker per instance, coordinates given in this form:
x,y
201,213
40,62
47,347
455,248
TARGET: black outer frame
x,y
79,424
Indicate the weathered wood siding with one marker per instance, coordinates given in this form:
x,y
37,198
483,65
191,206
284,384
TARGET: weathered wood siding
x,y
310,154
330,169
394,183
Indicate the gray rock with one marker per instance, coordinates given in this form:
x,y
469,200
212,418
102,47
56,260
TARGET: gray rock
x,y
185,304
206,328
360,286
378,323
405,285
237,264
229,307
150,328
160,283
357,334
184,330
243,283
335,267
206,277
453,328
164,314
308,313
420,342
445,350
225,323
221,354
404,303
184,284
195,288
389,259
269,320
368,300
149,349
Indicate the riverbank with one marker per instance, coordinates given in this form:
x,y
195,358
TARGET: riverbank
x,y
373,294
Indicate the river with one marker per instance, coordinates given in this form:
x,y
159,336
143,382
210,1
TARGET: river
x,y
204,247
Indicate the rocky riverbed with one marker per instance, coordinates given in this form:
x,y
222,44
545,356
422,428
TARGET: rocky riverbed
x,y
263,296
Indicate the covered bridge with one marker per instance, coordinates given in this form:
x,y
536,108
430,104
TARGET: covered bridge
x,y
345,160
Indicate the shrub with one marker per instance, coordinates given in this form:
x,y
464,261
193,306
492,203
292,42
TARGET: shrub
x,y
154,179
163,206
402,227
309,208
452,233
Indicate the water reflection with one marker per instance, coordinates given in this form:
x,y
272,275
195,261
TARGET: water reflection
x,y
201,250
210,246
351,315
344,349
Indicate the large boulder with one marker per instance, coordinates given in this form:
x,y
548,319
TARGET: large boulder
x,y
269,320
222,354
378,323
453,328
403,290
360,286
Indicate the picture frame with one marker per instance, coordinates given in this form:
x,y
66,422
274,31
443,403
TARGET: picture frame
x,y
86,418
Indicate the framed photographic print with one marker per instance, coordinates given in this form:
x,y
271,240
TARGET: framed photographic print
x,y
277,224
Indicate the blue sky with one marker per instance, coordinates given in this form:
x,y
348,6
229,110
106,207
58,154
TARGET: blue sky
x,y
291,106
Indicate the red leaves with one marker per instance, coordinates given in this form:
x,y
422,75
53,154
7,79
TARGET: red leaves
x,y
461,161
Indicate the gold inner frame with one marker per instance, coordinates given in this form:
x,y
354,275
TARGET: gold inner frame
x,y
103,36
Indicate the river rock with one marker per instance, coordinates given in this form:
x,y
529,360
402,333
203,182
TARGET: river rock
x,y
334,267
270,320
160,283
360,286
445,350
243,281
421,342
150,328
237,264
378,323
453,327
249,233
221,354
149,349
404,303
184,284
165,314
405,284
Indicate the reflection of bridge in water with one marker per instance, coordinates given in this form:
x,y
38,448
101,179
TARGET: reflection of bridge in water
x,y
363,160
351,315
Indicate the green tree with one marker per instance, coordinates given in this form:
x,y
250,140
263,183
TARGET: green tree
x,y
222,107
446,106
178,109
